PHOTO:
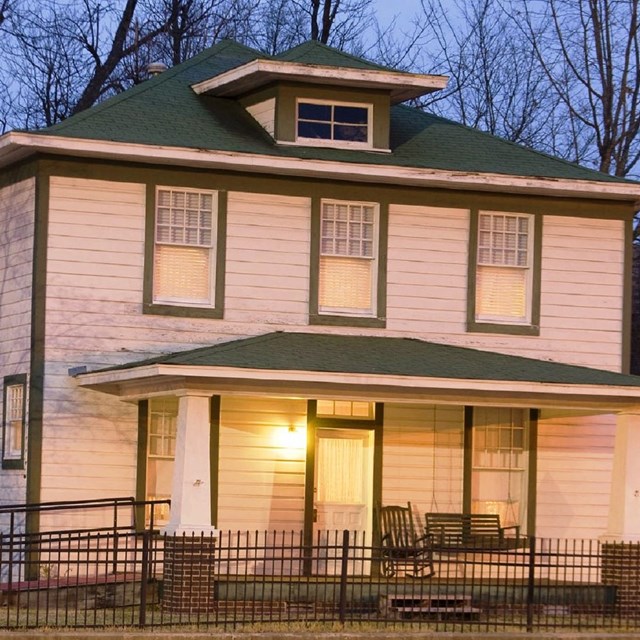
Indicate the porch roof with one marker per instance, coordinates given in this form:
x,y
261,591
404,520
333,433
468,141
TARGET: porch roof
x,y
316,364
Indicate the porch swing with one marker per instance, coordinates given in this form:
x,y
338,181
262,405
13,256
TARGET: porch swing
x,y
454,530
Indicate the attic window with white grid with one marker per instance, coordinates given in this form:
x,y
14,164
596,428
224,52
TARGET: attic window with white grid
x,y
348,258
334,123
184,249
504,268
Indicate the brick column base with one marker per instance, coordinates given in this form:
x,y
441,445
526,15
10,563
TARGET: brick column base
x,y
621,568
189,585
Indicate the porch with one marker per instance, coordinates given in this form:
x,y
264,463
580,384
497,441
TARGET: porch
x,y
291,431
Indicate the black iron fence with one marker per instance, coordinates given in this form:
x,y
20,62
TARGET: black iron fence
x,y
122,572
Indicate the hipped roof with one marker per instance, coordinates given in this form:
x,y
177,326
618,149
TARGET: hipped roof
x,y
383,368
164,111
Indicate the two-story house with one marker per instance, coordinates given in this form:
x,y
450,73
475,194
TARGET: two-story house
x,y
265,288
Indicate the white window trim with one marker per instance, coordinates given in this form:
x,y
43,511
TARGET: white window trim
x,y
16,455
179,301
343,311
496,319
341,144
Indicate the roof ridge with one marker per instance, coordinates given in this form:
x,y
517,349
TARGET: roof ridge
x,y
315,44
151,83
517,145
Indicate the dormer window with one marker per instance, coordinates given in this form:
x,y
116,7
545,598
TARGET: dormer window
x,y
321,122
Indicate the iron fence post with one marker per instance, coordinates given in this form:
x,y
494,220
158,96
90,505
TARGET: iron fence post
x,y
144,577
531,583
343,576
114,565
10,566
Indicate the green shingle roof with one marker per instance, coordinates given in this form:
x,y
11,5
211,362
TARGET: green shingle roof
x,y
311,352
165,111
313,52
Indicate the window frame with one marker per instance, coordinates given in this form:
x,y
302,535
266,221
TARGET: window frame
x,y
335,316
505,325
14,461
529,468
186,308
333,142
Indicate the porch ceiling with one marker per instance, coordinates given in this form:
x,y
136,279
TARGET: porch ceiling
x,y
373,368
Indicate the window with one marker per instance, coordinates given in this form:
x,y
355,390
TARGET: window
x,y
348,258
344,123
161,447
504,273
13,426
345,409
500,451
184,247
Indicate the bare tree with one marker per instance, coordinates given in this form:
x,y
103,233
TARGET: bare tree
x,y
338,23
4,10
193,25
282,26
64,55
590,53
493,86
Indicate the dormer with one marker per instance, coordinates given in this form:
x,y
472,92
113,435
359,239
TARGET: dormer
x,y
343,104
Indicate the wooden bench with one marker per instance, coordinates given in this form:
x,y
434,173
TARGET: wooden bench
x,y
475,530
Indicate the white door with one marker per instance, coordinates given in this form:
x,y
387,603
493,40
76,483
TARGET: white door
x,y
343,491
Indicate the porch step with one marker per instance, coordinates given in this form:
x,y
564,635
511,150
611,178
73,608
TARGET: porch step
x,y
441,606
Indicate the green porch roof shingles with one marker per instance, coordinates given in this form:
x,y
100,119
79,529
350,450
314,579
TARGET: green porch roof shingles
x,y
368,355
165,111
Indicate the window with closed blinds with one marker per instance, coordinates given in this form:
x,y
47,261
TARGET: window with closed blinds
x,y
183,269
503,275
348,247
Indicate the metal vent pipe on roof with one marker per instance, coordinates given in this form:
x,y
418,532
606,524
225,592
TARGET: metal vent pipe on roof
x,y
156,68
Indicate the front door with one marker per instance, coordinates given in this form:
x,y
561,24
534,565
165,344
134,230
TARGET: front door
x,y
343,489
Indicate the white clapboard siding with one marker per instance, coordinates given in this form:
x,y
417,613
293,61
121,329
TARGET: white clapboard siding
x,y
583,265
575,461
427,269
264,114
261,479
17,213
582,285
94,281
265,233
422,457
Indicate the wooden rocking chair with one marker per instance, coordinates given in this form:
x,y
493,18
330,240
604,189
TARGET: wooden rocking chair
x,y
402,546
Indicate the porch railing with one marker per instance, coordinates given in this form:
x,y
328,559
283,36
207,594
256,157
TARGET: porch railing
x,y
141,578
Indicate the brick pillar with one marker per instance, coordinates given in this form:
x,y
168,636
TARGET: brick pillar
x,y
621,568
189,584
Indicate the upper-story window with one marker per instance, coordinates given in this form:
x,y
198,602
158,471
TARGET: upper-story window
x,y
348,258
335,123
13,426
184,247
504,268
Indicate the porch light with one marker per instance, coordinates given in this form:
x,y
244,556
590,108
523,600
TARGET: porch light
x,y
292,437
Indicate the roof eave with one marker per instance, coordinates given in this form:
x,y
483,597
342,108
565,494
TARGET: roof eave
x,y
158,379
15,146
259,73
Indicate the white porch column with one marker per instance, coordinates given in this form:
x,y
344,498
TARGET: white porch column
x,y
624,505
191,489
